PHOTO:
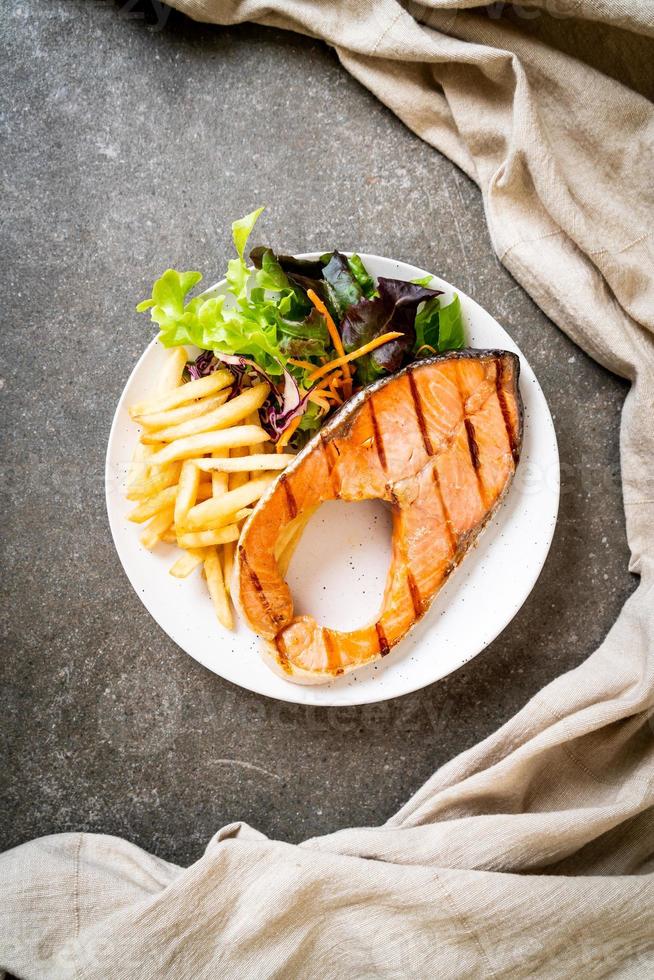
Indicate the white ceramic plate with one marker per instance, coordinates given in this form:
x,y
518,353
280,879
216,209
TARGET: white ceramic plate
x,y
345,587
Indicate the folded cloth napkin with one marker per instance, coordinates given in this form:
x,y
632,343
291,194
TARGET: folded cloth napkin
x,y
532,854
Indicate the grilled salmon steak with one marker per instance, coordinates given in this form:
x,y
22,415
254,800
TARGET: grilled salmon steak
x,y
439,442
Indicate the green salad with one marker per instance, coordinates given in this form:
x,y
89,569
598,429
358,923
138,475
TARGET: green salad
x,y
318,330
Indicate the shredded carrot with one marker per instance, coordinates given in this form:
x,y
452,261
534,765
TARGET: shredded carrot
x,y
307,365
359,352
335,395
324,391
334,334
318,399
331,326
287,434
323,384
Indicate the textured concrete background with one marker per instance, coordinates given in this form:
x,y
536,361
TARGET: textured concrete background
x,y
127,150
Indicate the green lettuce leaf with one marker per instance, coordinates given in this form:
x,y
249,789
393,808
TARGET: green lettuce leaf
x,y
452,332
427,324
311,421
305,339
242,229
266,315
302,275
362,276
440,327
343,287
169,292
250,325
338,281
168,309
237,270
270,274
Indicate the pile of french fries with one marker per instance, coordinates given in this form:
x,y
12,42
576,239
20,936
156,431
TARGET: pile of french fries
x,y
202,461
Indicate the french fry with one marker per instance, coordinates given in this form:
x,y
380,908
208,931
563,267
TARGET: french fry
x,y
138,468
216,585
238,464
145,480
219,481
216,512
206,442
158,479
157,526
229,414
160,500
237,478
229,551
220,535
187,492
255,419
163,500
207,539
184,393
198,502
171,373
187,563
164,420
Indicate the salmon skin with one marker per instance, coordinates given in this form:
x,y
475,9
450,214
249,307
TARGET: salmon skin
x,y
439,441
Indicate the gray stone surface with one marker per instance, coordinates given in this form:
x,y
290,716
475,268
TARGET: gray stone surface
x,y
127,150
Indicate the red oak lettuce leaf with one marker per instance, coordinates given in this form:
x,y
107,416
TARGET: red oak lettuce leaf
x,y
393,309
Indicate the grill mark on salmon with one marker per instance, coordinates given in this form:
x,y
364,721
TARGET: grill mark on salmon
x,y
473,448
331,454
330,649
281,650
376,436
420,415
448,519
290,499
434,487
506,415
259,589
326,448
472,444
474,456
384,647
414,592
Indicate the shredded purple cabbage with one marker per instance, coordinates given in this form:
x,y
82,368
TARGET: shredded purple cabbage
x,y
278,410
275,420
204,364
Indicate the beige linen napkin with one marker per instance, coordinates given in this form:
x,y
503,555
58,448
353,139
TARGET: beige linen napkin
x,y
532,854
